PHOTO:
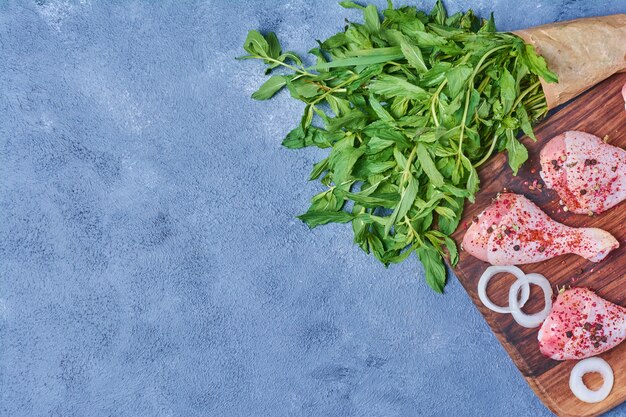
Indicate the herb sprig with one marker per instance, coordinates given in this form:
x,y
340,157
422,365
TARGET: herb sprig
x,y
410,107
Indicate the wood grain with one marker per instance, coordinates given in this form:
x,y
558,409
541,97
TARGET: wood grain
x,y
599,111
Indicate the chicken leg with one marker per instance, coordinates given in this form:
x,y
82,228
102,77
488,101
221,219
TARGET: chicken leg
x,y
514,231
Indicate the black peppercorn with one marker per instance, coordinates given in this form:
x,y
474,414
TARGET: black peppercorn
x,y
516,248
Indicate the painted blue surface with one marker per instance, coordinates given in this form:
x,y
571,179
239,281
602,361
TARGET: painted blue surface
x,y
150,262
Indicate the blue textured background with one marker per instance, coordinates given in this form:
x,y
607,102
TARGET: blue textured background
x,y
150,261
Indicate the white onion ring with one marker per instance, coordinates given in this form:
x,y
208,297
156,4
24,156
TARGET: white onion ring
x,y
490,273
530,320
579,388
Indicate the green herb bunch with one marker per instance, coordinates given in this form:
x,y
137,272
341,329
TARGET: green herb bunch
x,y
409,107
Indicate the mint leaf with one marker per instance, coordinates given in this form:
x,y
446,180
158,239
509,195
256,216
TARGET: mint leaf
x,y
372,21
317,218
433,267
413,55
517,153
269,88
256,44
428,165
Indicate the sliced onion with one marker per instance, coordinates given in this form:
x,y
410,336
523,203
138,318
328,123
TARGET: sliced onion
x,y
494,270
530,320
579,388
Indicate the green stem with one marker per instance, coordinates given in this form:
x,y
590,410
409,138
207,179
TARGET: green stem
x,y
468,96
488,154
412,233
334,89
524,93
409,163
405,174
291,67
538,99
482,59
493,141
435,99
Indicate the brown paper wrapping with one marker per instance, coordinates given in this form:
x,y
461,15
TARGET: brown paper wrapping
x,y
581,52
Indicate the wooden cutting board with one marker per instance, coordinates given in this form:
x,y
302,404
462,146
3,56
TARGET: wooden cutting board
x,y
599,111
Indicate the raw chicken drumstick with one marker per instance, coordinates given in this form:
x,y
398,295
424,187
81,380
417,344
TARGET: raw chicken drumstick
x,y
588,174
581,324
514,231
